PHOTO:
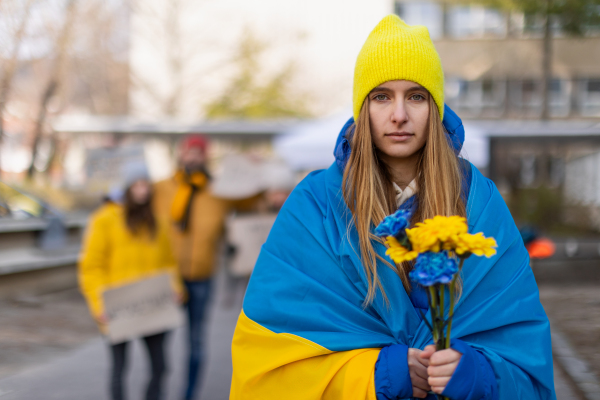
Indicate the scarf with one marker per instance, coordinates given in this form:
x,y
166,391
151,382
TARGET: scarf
x,y
187,185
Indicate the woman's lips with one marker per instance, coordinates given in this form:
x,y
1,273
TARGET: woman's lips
x,y
399,136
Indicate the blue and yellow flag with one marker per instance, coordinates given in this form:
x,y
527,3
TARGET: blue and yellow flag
x,y
304,332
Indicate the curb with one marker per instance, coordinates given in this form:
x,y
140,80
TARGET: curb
x,y
577,370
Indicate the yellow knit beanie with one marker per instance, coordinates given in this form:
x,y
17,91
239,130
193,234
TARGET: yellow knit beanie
x,y
397,51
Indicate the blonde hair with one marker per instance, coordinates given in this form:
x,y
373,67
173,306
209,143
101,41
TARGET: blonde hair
x,y
370,196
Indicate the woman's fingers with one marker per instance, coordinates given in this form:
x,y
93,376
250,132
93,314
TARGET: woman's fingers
x,y
419,382
442,357
442,365
438,389
102,318
427,352
442,370
418,371
421,371
431,369
423,361
419,393
415,365
438,381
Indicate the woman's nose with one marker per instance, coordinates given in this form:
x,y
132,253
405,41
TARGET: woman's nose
x,y
399,113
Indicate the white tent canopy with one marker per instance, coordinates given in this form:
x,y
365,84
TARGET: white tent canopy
x,y
476,146
310,145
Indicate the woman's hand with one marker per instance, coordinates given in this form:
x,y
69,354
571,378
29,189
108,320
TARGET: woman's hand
x,y
101,319
417,366
179,298
442,365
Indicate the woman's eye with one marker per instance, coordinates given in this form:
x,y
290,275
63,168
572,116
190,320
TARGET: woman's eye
x,y
380,97
417,97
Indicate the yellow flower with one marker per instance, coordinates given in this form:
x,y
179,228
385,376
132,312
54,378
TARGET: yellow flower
x,y
397,252
437,233
476,244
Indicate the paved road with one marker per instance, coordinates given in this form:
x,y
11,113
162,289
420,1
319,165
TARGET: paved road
x,y
82,373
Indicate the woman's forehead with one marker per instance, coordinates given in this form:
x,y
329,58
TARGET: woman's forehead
x,y
399,85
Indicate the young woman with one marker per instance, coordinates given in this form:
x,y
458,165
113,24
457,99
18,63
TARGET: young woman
x,y
124,244
328,316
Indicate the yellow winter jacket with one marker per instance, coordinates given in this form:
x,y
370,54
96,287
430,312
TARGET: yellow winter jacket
x,y
112,256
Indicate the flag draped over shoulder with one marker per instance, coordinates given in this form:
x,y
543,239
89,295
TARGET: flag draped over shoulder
x,y
304,332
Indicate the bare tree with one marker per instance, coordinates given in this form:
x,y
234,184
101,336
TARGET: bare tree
x,y
175,48
60,53
247,96
12,62
164,29
174,56
98,70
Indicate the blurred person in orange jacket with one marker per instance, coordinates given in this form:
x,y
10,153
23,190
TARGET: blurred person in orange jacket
x,y
124,244
537,247
197,223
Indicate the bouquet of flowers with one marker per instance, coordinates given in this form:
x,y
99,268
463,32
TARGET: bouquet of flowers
x,y
440,247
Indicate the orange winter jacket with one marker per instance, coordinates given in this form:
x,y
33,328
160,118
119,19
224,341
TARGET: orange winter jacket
x,y
196,248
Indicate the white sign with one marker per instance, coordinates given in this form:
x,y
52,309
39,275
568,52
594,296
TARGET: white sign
x,y
247,233
142,308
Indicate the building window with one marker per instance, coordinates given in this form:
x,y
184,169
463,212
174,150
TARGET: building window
x,y
527,173
534,25
556,171
493,93
530,92
560,101
590,97
525,97
475,22
476,97
427,13
399,9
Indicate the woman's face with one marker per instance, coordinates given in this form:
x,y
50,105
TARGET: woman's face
x,y
140,192
399,113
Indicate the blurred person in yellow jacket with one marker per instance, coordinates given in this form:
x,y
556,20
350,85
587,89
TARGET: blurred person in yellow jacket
x,y
124,244
197,222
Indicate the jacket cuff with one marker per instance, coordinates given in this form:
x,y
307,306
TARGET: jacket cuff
x,y
392,377
473,378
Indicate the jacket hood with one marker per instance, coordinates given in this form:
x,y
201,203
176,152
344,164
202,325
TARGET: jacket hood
x,y
452,123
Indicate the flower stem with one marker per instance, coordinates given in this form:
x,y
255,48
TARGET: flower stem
x,y
441,289
452,301
451,311
433,302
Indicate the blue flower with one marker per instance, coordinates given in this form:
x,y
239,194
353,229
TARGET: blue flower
x,y
433,268
394,225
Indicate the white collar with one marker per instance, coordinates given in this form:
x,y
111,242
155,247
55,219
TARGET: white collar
x,y
407,193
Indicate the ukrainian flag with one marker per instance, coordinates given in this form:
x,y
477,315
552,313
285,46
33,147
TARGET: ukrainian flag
x,y
305,333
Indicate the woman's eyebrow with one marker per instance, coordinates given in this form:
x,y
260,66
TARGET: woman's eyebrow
x,y
384,89
381,89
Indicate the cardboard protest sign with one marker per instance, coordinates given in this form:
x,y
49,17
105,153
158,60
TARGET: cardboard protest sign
x,y
247,234
239,178
141,309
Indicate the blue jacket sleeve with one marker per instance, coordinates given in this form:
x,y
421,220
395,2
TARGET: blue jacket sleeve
x,y
392,377
473,378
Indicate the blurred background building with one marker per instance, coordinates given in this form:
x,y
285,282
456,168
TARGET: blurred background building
x,y
88,85
493,60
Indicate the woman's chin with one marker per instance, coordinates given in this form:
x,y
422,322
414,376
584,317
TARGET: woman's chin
x,y
400,153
